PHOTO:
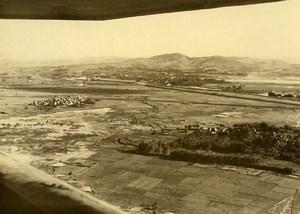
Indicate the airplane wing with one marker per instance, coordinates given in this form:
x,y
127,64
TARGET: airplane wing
x,y
106,9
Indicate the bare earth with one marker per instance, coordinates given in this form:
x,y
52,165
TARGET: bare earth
x,y
81,146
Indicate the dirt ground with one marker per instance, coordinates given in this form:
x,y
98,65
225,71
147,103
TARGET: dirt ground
x,y
82,146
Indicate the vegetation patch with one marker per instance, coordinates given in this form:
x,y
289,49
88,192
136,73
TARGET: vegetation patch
x,y
240,145
254,139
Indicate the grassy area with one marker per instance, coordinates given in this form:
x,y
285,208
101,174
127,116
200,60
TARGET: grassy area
x,y
85,139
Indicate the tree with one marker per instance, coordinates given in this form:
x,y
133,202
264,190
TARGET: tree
x,y
166,149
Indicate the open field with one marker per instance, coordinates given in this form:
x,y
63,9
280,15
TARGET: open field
x,y
92,147
95,146
136,181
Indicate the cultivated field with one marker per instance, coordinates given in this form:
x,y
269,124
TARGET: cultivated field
x,y
45,121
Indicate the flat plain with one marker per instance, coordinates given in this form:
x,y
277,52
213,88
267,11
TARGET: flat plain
x,y
94,146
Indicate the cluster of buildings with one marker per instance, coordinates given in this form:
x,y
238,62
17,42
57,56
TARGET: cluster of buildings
x,y
196,127
64,101
232,88
285,94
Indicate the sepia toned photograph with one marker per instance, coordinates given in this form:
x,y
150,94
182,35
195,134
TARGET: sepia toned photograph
x,y
150,107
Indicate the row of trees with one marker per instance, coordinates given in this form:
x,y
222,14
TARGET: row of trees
x,y
235,160
153,148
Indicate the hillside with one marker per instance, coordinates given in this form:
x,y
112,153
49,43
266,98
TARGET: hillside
x,y
216,64
224,67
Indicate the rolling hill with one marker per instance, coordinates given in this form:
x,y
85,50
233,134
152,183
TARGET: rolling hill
x,y
216,64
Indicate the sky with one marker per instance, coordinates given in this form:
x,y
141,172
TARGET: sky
x,y
270,30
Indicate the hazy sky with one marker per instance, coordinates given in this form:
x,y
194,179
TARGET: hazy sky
x,y
263,31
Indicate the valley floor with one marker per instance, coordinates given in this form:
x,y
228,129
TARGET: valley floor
x,y
83,146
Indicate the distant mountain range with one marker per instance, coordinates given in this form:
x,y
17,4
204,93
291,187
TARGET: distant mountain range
x,y
219,64
211,64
